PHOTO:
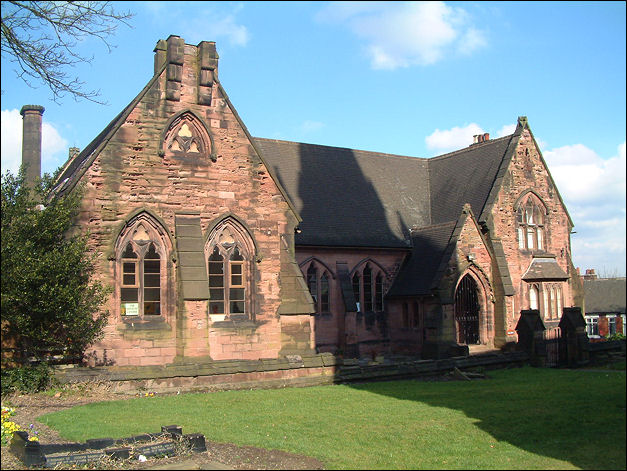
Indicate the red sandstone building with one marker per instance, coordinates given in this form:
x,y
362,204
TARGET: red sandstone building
x,y
222,246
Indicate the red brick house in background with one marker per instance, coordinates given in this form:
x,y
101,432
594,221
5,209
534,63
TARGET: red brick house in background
x,y
221,246
604,305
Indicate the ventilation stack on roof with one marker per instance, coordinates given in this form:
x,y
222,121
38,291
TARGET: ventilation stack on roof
x,y
479,138
31,141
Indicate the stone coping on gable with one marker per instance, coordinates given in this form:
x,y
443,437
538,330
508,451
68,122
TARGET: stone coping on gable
x,y
291,370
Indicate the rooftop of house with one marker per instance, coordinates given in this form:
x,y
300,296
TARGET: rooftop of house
x,y
605,295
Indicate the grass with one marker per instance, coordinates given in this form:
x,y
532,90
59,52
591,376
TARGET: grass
x,y
519,419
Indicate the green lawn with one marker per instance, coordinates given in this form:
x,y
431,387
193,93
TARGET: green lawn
x,y
521,418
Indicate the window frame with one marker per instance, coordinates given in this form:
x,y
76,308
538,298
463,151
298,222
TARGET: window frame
x,y
140,249
592,324
549,299
531,222
229,238
369,270
317,278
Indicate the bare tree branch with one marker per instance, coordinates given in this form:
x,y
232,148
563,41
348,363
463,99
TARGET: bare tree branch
x,y
41,38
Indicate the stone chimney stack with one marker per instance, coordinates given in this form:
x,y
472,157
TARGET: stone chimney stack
x,y
201,61
590,274
31,141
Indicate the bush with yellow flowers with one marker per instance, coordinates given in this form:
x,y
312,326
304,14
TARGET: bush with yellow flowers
x,y
9,427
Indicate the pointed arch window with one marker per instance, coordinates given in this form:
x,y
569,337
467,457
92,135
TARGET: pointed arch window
x,y
551,295
530,219
356,281
142,276
369,287
318,284
229,267
533,297
187,138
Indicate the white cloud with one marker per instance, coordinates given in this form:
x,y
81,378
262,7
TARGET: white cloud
x,y
409,33
585,178
53,146
593,190
506,130
452,139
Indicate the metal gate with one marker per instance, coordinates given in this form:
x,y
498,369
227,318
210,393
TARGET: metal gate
x,y
552,340
467,311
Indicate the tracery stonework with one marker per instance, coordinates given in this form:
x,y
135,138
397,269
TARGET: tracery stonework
x,y
188,139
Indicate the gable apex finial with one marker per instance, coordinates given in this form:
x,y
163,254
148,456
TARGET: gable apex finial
x,y
522,122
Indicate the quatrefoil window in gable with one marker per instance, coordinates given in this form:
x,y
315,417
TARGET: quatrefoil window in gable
x,y
188,139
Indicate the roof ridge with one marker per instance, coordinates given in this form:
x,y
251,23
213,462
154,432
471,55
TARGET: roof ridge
x,y
473,146
344,148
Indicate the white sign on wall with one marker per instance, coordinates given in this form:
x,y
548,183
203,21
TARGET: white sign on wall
x,y
131,309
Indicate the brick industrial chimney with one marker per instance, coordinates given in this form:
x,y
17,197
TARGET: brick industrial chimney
x,y
31,141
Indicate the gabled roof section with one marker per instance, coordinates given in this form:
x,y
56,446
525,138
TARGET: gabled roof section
x,y
348,197
522,124
257,150
605,295
544,268
75,167
420,271
465,176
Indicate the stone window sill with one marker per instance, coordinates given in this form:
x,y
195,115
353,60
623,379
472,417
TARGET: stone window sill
x,y
137,323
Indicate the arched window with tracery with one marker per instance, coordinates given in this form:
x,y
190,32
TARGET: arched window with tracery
x,y
229,254
551,295
531,222
141,255
368,282
319,287
187,138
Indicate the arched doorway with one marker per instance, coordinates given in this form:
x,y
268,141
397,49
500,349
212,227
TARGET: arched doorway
x,y
467,310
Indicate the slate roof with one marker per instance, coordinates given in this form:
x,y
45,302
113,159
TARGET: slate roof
x,y
465,176
417,275
544,268
351,198
354,198
605,295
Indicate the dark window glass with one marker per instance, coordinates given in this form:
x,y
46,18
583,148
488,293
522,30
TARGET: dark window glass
x,y
324,293
367,277
216,282
357,291
312,284
378,293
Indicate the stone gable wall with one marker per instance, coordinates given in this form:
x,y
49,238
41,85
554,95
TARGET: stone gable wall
x,y
471,256
526,171
133,173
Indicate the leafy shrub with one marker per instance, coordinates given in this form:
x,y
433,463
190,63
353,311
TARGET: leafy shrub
x,y
50,298
27,379
616,336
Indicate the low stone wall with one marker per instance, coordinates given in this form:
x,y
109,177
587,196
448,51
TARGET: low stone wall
x,y
291,370
602,352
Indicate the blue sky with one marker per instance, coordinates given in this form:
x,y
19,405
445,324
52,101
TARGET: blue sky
x,y
409,78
